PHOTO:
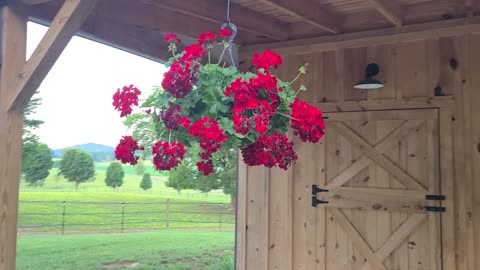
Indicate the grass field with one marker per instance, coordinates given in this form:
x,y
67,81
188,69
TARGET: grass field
x,y
41,208
161,250
103,211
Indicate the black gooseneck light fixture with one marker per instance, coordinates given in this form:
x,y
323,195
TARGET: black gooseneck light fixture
x,y
369,82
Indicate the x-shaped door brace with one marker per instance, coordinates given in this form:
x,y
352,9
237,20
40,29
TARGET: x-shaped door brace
x,y
375,153
375,259
370,154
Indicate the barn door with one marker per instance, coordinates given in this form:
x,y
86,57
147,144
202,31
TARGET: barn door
x,y
379,168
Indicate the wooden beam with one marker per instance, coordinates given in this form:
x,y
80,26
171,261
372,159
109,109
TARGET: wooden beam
x,y
68,20
390,10
13,52
34,2
309,10
216,11
449,28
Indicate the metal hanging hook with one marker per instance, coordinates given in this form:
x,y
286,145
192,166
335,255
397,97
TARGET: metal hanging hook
x,y
234,30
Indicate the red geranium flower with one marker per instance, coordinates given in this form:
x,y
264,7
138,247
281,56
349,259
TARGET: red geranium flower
x,y
255,102
125,99
206,38
125,150
307,121
172,38
267,59
171,116
225,32
167,156
270,150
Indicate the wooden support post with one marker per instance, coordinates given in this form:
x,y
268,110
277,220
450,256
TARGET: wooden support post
x,y
13,53
19,81
68,20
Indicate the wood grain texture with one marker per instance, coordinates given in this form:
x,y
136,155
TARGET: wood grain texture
x,y
13,53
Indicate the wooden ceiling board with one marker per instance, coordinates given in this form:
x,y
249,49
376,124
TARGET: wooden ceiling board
x,y
269,10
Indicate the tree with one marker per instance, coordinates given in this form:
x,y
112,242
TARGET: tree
x,y
77,166
140,167
146,182
38,163
30,124
182,177
115,175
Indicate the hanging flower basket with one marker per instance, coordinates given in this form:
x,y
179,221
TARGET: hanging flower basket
x,y
216,106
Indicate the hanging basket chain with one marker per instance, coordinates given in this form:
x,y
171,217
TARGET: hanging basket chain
x,y
234,29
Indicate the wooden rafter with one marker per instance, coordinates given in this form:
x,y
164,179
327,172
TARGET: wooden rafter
x,y
215,11
34,2
390,10
68,20
309,10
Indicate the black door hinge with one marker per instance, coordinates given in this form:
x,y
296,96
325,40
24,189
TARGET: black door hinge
x,y
315,190
435,197
435,209
316,201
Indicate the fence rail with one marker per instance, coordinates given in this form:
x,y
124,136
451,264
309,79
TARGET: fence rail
x,y
65,216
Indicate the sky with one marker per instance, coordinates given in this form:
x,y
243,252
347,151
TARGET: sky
x,y
77,92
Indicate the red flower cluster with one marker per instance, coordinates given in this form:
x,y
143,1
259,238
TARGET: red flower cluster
x,y
211,136
123,100
270,150
179,80
307,121
171,116
255,102
172,38
225,32
125,150
166,155
267,59
206,38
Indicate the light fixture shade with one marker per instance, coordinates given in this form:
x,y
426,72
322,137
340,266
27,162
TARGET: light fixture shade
x,y
368,84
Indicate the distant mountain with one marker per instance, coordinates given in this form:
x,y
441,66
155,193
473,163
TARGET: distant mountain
x,y
99,152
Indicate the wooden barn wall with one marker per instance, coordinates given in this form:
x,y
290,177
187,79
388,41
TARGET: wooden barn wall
x,y
276,229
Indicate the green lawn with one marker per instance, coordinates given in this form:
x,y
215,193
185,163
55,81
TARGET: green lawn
x,y
161,250
41,208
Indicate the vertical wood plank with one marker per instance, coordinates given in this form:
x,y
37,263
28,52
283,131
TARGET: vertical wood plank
x,y
241,212
433,188
354,70
412,69
257,218
321,214
472,100
280,221
13,54
447,188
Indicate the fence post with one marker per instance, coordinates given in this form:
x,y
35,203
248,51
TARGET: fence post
x,y
63,216
167,212
220,218
123,217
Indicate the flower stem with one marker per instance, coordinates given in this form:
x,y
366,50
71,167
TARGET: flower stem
x,y
169,136
209,56
221,55
296,78
288,116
